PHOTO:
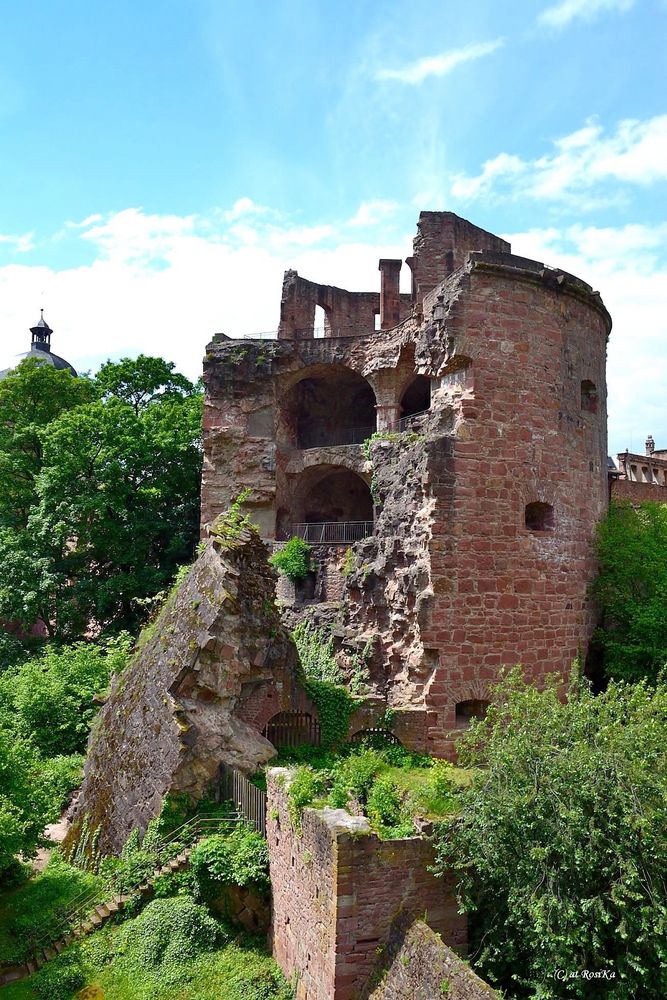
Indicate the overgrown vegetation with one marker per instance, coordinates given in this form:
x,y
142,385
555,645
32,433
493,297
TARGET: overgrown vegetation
x,y
561,843
390,785
631,590
293,559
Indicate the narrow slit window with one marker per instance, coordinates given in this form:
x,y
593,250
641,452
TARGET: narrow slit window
x,y
589,396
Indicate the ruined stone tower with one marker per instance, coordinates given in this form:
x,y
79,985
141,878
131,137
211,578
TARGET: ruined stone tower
x,y
460,538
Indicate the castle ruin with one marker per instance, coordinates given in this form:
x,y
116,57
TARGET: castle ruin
x,y
443,451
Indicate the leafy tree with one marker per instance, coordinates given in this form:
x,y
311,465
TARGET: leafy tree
x,y
142,381
27,799
561,844
114,512
49,699
632,590
31,397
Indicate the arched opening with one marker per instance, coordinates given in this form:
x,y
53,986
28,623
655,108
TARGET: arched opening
x,y
320,324
466,711
332,505
589,396
292,729
539,516
416,398
335,407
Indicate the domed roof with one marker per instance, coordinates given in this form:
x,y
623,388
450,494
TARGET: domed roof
x,y
40,350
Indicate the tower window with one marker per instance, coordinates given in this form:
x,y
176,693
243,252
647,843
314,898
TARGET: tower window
x,y
589,396
539,516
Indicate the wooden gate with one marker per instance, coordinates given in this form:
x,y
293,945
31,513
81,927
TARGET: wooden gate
x,y
292,729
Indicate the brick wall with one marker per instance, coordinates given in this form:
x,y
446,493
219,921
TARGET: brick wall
x,y
625,489
336,891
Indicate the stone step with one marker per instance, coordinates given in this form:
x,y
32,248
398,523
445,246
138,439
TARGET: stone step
x,y
49,953
59,946
103,910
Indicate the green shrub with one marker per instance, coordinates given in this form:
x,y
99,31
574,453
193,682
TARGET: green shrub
x,y
354,777
49,698
384,802
560,847
239,858
304,787
62,977
293,559
169,932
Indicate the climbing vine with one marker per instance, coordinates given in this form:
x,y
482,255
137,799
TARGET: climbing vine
x,y
335,706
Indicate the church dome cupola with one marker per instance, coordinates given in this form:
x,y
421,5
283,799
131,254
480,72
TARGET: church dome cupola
x,y
41,335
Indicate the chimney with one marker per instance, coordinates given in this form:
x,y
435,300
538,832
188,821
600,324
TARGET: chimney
x,y
390,296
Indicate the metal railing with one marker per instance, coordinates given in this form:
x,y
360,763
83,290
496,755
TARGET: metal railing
x,y
246,797
405,423
124,883
333,532
333,437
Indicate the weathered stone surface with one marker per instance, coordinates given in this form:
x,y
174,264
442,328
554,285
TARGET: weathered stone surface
x,y
337,889
182,706
416,965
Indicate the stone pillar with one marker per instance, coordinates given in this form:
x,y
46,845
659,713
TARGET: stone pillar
x,y
390,296
387,417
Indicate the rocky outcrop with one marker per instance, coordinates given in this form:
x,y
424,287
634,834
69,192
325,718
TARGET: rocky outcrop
x,y
175,714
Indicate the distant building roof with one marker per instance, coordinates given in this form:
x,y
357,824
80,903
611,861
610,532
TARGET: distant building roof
x,y
40,349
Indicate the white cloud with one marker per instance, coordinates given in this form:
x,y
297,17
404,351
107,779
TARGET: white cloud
x,y
20,244
165,284
628,265
561,14
635,153
370,213
439,65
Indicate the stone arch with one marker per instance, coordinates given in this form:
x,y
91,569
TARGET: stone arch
x,y
326,406
331,495
416,396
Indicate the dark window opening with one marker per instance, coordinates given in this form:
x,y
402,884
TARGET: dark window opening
x,y
473,708
539,516
335,409
589,396
417,397
304,590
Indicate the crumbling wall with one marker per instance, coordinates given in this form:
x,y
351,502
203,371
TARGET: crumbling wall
x,y
337,889
416,964
174,715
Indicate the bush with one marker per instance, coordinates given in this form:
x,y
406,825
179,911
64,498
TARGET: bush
x,y
49,698
354,777
293,560
304,787
384,802
169,932
62,977
239,858
561,846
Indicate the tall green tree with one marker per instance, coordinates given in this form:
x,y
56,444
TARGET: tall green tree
x,y
28,798
114,508
560,847
141,381
631,590
31,397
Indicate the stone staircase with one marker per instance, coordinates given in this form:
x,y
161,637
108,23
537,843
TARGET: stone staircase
x,y
86,918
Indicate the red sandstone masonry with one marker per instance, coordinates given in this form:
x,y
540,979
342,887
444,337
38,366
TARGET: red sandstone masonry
x,y
336,891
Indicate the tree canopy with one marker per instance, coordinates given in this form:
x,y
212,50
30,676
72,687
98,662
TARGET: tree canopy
x,y
631,590
561,844
107,502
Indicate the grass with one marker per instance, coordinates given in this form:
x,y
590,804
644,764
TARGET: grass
x,y
31,906
240,970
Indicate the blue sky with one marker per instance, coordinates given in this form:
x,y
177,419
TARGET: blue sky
x,y
162,163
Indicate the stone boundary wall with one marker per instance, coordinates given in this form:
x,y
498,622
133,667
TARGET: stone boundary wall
x,y
337,889
625,489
